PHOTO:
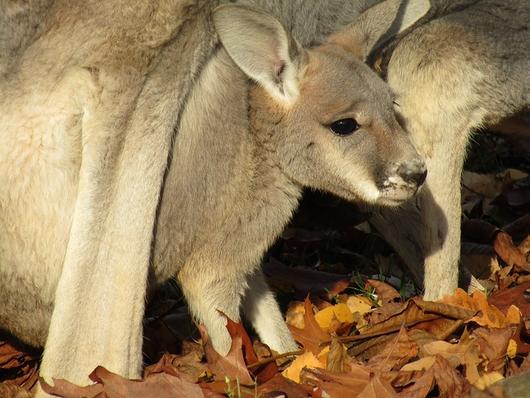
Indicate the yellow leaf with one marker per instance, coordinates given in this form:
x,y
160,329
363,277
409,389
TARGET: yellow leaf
x,y
307,359
487,379
359,304
420,364
324,317
513,315
343,313
512,348
323,356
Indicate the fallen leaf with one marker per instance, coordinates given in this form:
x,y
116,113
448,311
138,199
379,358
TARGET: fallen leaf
x,y
510,254
345,384
232,365
396,353
312,335
488,379
340,312
421,387
279,385
12,391
408,315
359,304
385,292
421,364
377,387
307,359
337,357
449,381
183,365
493,344
511,350
487,314
503,299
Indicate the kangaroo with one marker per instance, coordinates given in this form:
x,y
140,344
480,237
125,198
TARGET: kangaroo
x,y
105,201
462,67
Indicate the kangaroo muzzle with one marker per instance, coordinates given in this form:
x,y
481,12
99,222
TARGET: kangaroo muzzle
x,y
401,181
413,172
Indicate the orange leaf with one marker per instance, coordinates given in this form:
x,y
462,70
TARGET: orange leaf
x,y
311,336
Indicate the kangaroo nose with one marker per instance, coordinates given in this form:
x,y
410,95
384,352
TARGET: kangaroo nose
x,y
413,172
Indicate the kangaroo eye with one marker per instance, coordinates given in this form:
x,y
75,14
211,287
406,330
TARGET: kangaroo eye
x,y
344,126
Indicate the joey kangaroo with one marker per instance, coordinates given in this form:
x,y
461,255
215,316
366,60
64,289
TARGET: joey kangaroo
x,y
464,66
104,197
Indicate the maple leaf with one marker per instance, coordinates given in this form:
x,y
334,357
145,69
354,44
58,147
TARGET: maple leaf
x,y
232,365
311,336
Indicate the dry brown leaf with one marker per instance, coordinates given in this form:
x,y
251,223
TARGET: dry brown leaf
x,y
510,254
12,391
378,387
493,345
188,366
445,309
385,292
466,352
396,353
449,381
65,389
503,299
370,347
487,379
279,384
337,357
441,328
232,365
22,366
487,315
409,315
311,336
421,364
346,384
421,387
111,385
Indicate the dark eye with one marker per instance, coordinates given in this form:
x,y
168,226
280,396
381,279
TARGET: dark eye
x,y
344,126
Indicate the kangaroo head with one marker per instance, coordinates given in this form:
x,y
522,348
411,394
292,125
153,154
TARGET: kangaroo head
x,y
321,113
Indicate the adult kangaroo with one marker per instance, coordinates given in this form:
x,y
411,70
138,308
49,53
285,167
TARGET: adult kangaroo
x,y
150,140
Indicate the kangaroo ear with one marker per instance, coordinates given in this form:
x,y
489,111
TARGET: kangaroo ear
x,y
378,24
261,48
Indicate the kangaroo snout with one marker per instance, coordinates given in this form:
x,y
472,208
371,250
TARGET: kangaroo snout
x,y
401,181
413,172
